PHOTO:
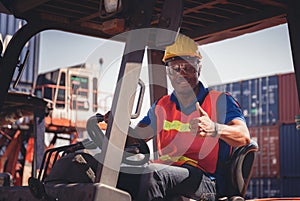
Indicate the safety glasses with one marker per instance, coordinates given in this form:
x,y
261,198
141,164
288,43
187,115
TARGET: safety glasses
x,y
187,68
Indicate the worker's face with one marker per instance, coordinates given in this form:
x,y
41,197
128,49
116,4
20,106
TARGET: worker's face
x,y
184,74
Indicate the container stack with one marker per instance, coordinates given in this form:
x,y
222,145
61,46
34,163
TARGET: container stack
x,y
270,105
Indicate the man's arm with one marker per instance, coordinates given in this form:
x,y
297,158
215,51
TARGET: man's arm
x,y
144,131
147,126
235,132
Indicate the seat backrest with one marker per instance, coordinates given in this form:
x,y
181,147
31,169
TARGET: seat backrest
x,y
234,175
240,168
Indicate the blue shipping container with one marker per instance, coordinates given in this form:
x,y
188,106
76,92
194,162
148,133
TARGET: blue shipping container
x,y
271,188
8,26
233,88
290,187
259,101
263,188
221,87
289,151
249,102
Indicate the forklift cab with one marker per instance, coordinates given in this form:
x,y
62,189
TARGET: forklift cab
x,y
238,168
140,17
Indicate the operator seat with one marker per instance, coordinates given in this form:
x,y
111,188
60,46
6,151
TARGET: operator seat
x,y
238,174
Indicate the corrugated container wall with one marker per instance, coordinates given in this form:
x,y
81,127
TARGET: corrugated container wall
x,y
290,187
233,88
221,87
8,26
266,163
273,187
288,98
259,101
290,151
263,188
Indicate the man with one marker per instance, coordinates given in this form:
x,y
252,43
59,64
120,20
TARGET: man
x,y
195,130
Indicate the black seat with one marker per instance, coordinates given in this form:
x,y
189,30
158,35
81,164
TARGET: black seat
x,y
239,170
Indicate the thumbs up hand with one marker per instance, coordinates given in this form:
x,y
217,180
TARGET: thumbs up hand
x,y
202,126
200,110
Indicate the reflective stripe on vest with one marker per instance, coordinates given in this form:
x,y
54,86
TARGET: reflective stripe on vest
x,y
179,160
176,125
175,141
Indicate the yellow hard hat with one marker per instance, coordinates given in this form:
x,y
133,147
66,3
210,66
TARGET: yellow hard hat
x,y
183,46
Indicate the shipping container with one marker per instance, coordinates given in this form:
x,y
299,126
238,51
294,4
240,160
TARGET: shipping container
x,y
221,87
266,100
289,151
288,98
249,101
290,187
233,88
8,26
259,101
266,163
263,188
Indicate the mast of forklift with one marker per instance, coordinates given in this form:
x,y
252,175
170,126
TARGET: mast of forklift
x,y
129,73
294,30
136,41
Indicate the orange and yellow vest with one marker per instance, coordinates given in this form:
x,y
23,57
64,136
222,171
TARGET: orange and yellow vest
x,y
176,144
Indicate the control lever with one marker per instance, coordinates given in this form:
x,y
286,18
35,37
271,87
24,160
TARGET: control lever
x,y
21,69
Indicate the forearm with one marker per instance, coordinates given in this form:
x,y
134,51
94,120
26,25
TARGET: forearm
x,y
235,133
141,131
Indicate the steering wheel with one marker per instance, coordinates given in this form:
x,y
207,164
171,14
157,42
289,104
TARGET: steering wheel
x,y
130,151
95,133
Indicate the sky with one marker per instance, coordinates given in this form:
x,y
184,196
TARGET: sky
x,y
266,52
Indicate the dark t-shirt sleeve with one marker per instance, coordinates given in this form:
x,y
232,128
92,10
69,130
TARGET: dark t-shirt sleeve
x,y
234,110
150,118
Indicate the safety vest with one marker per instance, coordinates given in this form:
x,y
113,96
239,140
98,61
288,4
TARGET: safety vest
x,y
176,144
